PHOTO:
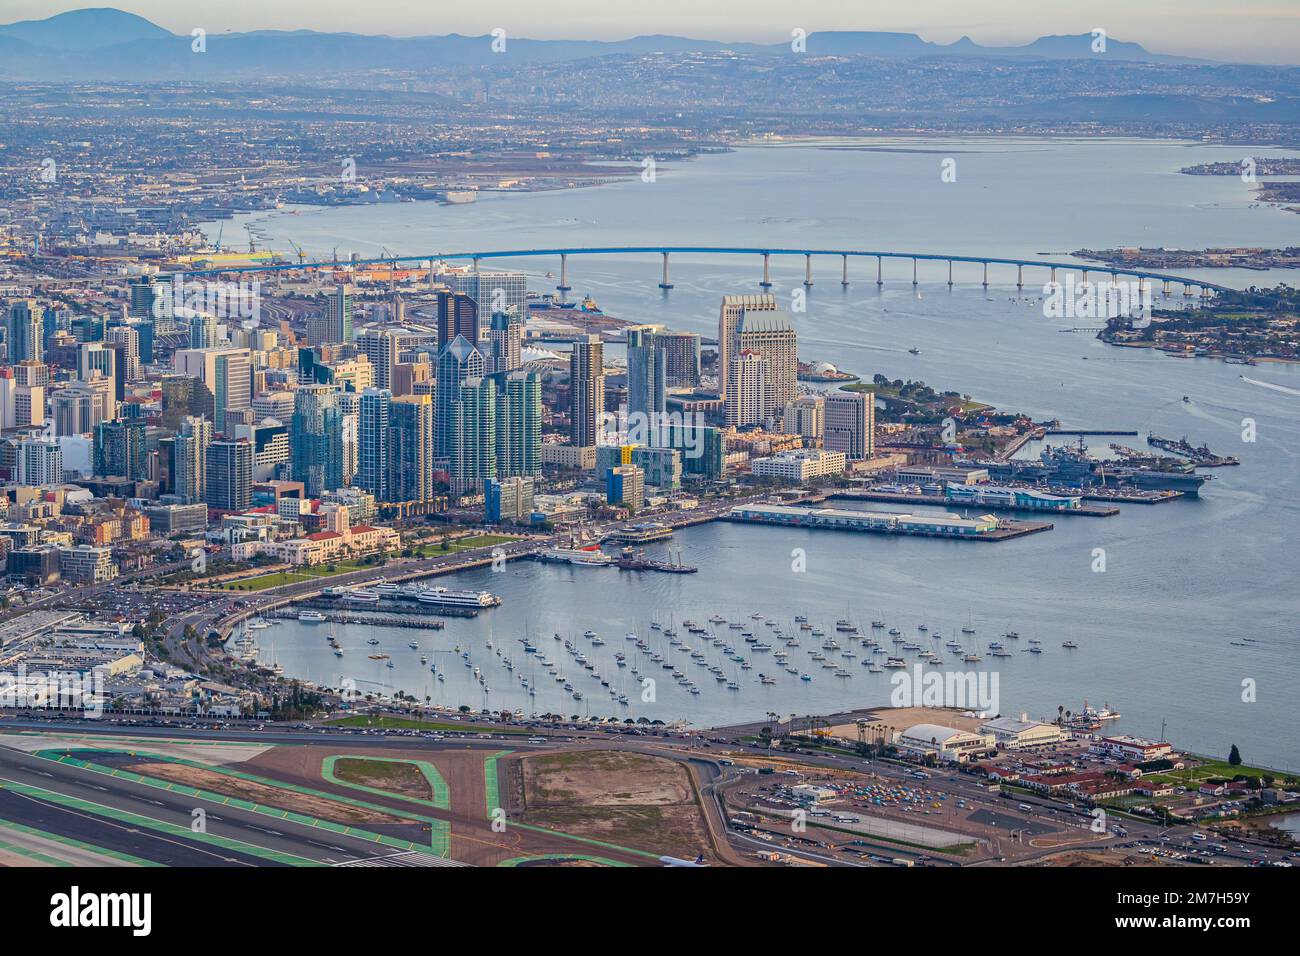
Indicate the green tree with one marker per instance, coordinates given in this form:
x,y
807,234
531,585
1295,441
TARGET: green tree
x,y
1234,756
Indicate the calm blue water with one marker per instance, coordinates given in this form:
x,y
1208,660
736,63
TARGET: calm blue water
x,y
1182,579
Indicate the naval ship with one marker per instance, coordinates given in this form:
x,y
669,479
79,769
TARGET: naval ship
x,y
1072,466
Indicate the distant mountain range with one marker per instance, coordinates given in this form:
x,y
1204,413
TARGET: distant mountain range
x,y
105,43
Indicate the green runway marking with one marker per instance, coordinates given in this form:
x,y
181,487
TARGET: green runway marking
x,y
135,819
520,860
439,830
437,827
69,841
33,855
491,784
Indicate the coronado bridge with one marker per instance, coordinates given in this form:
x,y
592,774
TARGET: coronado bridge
x,y
762,256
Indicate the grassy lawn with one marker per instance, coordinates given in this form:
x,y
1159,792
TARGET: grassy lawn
x,y
411,723
1213,768
278,578
404,778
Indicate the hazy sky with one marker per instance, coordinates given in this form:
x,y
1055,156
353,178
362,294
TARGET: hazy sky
x,y
1243,30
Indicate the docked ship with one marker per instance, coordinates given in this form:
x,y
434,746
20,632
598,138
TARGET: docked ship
x,y
591,557
1072,466
467,598
311,617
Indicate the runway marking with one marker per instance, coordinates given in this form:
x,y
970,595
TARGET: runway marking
x,y
249,806
409,858
89,809
70,841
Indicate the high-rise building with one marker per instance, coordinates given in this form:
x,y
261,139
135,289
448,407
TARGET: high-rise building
x,y
350,409
189,465
519,424
382,347
339,314
120,449
129,338
471,454
646,371
768,334
24,333
625,485
96,357
806,417
374,471
227,374
458,361
492,291
457,315
733,307
39,462
851,424
183,396
505,342
508,499
746,389
586,390
681,358
316,437
203,331
230,475
411,448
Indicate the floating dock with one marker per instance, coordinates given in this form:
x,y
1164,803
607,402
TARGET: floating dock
x,y
422,622
983,528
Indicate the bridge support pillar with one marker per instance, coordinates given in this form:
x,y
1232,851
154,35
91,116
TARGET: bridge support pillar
x,y
1165,288
880,280
1085,276
949,273
1020,277
844,273
986,273
475,264
914,271
807,270
767,281
564,286
665,284
1053,275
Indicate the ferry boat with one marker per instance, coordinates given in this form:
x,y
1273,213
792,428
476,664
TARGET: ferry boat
x,y
385,588
311,617
362,597
439,595
591,557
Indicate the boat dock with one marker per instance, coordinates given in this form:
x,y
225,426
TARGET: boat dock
x,y
422,622
392,606
951,526
1091,431
1086,510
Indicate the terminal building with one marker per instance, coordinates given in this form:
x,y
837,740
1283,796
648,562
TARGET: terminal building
x,y
1011,733
944,743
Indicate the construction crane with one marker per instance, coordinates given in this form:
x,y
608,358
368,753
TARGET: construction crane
x,y
302,256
